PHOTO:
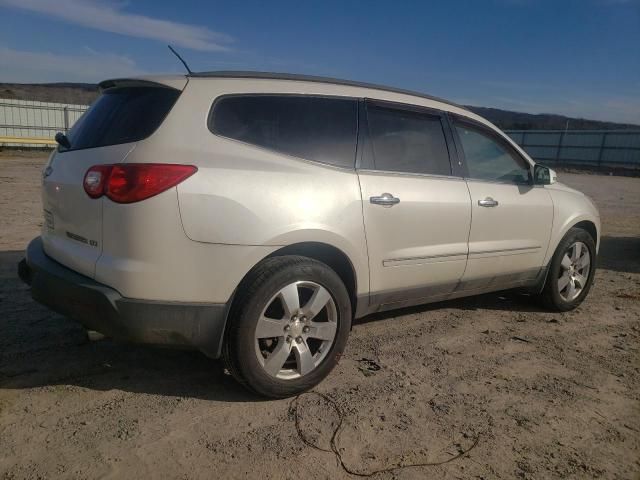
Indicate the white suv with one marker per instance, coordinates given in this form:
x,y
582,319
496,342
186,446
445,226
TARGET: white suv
x,y
253,216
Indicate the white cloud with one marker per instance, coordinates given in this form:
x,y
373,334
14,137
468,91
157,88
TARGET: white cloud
x,y
110,17
38,67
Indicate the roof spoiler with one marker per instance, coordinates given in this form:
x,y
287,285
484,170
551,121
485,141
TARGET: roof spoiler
x,y
177,82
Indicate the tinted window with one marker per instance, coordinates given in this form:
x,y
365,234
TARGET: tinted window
x,y
489,159
315,128
122,115
407,141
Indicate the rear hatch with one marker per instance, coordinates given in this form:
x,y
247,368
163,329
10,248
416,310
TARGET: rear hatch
x,y
126,112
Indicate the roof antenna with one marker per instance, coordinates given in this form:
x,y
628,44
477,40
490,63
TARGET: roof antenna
x,y
181,59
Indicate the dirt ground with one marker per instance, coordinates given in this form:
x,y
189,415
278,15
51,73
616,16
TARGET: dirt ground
x,y
524,392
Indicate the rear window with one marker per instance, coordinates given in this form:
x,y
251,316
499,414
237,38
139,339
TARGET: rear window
x,y
122,115
316,128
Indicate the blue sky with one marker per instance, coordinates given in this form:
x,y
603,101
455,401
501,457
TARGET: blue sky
x,y
573,57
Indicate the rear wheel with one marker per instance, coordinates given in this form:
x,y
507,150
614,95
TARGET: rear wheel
x,y
571,271
289,326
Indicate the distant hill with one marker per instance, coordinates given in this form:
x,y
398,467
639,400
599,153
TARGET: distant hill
x,y
75,93
85,93
508,120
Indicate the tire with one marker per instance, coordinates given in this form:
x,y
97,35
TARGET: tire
x,y
301,353
560,298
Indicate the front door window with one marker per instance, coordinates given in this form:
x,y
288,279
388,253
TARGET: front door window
x,y
488,159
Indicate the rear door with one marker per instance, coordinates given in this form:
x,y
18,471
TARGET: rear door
x,y
512,218
417,213
105,134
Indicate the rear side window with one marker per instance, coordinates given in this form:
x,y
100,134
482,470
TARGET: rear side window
x,y
407,141
122,115
316,128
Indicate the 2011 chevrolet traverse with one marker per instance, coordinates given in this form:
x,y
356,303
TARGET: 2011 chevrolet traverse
x,y
253,216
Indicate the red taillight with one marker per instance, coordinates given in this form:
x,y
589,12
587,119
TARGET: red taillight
x,y
132,182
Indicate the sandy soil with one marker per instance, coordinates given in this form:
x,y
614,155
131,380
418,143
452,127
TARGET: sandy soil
x,y
529,394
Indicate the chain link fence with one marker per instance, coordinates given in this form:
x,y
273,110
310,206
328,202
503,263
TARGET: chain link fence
x,y
597,149
25,123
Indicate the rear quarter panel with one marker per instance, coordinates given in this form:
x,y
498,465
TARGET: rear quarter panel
x,y
147,255
273,202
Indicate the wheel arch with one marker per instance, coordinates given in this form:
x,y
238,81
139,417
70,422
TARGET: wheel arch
x,y
331,256
328,254
589,223
589,227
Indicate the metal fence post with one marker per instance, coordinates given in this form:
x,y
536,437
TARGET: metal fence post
x,y
66,118
560,141
604,137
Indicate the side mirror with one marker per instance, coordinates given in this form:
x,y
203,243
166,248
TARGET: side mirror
x,y
544,175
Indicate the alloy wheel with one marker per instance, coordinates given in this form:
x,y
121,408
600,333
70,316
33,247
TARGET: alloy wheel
x,y
296,330
575,268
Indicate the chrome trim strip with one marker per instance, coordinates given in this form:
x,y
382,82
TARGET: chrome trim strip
x,y
506,250
408,174
390,262
501,182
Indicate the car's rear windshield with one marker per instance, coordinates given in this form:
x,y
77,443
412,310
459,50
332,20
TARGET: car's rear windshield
x,y
122,115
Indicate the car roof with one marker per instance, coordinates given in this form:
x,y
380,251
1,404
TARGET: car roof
x,y
316,79
178,81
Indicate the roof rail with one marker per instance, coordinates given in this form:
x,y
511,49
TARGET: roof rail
x,y
317,79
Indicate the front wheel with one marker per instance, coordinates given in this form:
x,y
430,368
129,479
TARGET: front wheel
x,y
289,326
571,271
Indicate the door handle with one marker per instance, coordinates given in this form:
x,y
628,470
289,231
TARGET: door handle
x,y
488,202
386,200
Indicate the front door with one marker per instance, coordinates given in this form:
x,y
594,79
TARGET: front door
x,y
417,214
512,218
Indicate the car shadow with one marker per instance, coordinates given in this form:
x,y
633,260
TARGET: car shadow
x,y
620,254
40,348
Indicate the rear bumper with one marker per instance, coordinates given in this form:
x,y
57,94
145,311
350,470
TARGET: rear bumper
x,y
101,308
